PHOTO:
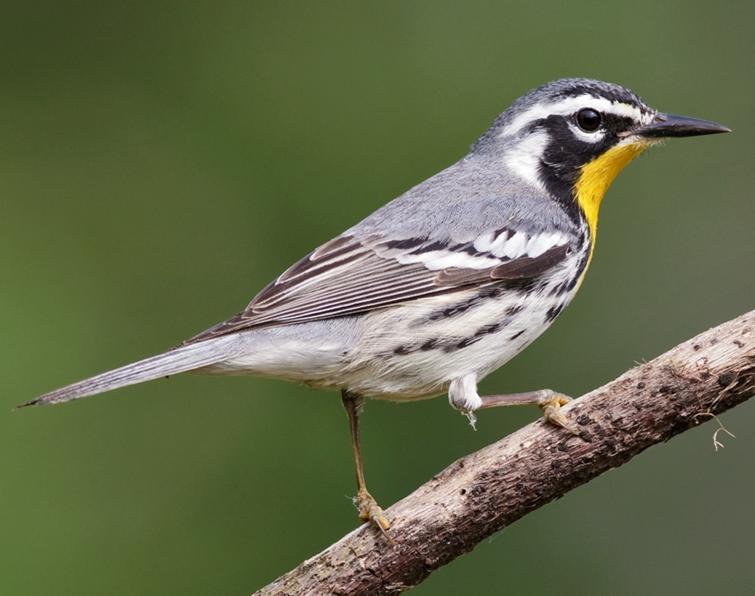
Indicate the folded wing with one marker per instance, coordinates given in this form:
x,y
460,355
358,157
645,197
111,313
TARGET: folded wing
x,y
348,276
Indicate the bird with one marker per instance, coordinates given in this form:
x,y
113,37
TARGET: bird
x,y
445,283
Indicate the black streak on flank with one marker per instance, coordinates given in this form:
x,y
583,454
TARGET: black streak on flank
x,y
488,329
430,344
478,335
561,288
488,292
553,312
517,334
465,342
580,268
450,311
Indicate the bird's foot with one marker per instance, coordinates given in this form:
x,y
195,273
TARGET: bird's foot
x,y
370,511
551,407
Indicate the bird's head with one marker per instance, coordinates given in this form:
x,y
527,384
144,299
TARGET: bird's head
x,y
571,138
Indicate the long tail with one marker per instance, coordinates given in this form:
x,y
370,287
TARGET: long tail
x,y
178,360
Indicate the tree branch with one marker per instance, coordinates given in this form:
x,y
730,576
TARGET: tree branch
x,y
486,491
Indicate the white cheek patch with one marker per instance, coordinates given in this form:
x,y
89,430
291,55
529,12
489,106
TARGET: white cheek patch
x,y
524,158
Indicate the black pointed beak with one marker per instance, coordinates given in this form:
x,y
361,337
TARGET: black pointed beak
x,y
669,125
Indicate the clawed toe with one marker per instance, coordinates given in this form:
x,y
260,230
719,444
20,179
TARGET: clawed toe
x,y
370,511
551,407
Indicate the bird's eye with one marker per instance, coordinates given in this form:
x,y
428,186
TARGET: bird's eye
x,y
589,120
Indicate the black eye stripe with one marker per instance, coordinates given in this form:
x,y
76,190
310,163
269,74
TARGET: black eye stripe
x,y
619,123
611,123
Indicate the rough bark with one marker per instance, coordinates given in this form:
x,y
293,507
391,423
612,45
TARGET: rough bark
x,y
486,491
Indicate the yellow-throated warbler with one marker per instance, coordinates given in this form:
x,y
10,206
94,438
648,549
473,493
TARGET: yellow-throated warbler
x,y
447,282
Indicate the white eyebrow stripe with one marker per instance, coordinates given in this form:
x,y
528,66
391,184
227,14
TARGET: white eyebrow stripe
x,y
569,105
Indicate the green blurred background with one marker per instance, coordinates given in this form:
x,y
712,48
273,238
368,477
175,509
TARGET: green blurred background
x,y
161,162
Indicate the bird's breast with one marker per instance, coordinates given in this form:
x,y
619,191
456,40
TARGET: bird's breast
x,y
415,350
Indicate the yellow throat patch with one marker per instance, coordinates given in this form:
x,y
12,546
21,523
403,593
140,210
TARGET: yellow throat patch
x,y
596,176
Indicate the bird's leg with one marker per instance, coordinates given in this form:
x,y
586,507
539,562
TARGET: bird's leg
x,y
547,399
367,507
462,394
